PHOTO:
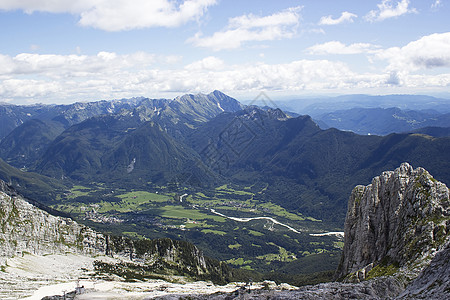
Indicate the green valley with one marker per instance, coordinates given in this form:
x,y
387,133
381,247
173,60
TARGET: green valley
x,y
256,244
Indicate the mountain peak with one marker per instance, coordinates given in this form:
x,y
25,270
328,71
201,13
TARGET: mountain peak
x,y
218,93
213,103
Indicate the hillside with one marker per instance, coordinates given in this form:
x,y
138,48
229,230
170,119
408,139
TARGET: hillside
x,y
25,144
119,149
33,185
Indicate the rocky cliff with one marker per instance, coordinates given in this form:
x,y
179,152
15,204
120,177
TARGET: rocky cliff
x,y
25,228
395,225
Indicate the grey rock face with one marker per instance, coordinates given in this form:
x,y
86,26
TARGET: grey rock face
x,y
25,228
434,281
397,222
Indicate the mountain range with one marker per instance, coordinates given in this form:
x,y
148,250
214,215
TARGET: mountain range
x,y
207,140
308,169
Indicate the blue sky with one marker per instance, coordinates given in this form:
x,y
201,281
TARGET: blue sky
x,y
84,50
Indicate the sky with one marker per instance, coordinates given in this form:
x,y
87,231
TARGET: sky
x,y
67,51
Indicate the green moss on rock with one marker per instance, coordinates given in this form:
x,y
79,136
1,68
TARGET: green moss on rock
x,y
383,269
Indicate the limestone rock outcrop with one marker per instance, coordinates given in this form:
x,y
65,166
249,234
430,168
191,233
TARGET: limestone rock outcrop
x,y
398,222
26,228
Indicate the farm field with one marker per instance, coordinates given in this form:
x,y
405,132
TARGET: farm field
x,y
229,216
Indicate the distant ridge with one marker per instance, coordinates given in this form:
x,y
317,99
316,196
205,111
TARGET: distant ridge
x,y
382,121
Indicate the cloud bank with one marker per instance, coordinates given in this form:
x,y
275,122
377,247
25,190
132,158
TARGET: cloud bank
x,y
68,78
428,52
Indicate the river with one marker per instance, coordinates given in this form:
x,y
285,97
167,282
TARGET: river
x,y
257,218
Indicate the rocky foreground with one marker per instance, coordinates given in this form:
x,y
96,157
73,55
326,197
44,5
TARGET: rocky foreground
x,y
397,223
397,246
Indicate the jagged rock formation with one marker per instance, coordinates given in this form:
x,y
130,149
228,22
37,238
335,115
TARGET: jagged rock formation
x,y
162,257
397,223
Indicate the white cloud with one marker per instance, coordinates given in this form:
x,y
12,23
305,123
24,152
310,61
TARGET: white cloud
x,y
62,77
336,47
390,9
393,78
51,78
436,4
345,17
429,52
26,89
117,15
251,28
143,13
